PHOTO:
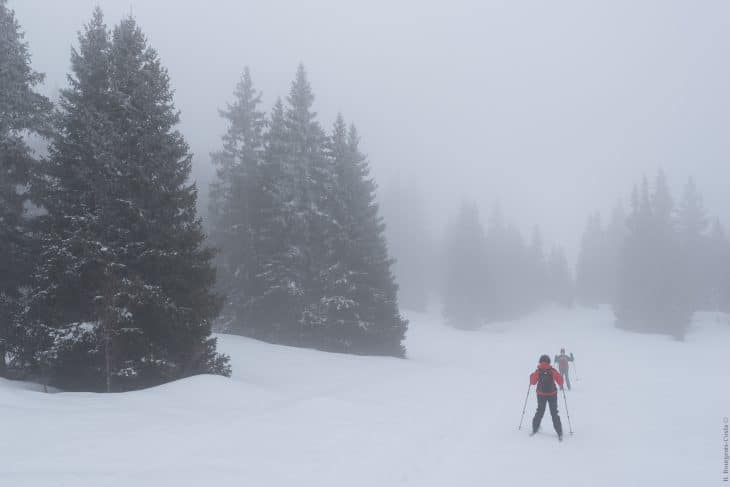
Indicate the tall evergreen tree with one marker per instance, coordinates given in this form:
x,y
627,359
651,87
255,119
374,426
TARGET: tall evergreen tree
x,y
123,296
314,179
302,235
236,200
23,112
359,300
278,298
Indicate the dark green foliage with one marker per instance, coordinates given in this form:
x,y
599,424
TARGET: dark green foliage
x,y
123,292
237,201
359,302
23,113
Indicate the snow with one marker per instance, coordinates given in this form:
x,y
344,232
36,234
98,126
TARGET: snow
x,y
647,410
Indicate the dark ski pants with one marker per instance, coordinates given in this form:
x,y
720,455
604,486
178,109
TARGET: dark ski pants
x,y
553,402
566,376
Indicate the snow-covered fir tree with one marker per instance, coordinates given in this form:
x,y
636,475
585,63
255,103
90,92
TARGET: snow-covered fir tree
x,y
299,232
311,202
122,296
23,112
276,302
360,294
236,201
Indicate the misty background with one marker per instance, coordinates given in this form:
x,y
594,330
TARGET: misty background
x,y
552,109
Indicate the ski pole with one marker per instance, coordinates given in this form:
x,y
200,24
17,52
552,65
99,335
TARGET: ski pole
x,y
525,406
576,372
567,412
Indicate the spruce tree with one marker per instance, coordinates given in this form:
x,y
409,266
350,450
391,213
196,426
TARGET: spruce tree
x,y
311,219
23,112
277,298
236,200
72,190
285,303
123,296
302,246
360,295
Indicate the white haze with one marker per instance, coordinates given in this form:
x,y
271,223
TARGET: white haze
x,y
553,108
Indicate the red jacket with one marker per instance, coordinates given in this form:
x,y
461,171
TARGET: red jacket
x,y
556,375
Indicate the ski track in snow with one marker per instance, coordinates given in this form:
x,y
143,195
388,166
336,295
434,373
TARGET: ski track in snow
x,y
647,410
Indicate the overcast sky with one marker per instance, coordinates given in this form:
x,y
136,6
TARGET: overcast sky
x,y
553,108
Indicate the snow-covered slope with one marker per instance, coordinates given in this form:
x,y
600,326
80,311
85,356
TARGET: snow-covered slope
x,y
647,410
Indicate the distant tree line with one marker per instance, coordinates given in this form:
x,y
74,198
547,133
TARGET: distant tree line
x,y
659,263
494,275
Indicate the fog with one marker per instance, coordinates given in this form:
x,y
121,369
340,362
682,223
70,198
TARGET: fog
x,y
553,109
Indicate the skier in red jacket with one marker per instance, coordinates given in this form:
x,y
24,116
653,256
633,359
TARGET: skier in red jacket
x,y
546,377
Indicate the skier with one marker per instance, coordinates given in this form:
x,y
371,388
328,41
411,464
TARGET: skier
x,y
547,393
563,362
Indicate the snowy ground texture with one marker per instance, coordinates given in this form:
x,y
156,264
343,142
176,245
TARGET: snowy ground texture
x,y
646,411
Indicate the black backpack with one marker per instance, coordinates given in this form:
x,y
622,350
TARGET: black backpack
x,y
545,381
